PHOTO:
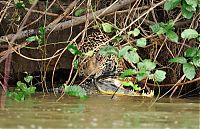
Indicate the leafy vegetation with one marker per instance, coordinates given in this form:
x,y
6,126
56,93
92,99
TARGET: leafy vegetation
x,y
23,89
75,91
188,7
165,29
143,41
40,38
190,60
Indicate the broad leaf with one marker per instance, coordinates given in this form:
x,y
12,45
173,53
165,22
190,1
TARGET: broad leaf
x,y
171,4
30,90
129,53
75,91
73,49
76,64
142,74
159,75
172,36
134,32
107,27
130,83
124,50
142,42
128,73
32,39
147,64
155,28
132,57
187,14
28,78
80,12
21,85
191,52
189,34
196,61
180,60
189,71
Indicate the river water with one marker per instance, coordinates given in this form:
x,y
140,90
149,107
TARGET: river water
x,y
100,112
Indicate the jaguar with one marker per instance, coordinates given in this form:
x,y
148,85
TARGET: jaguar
x,y
93,63
103,71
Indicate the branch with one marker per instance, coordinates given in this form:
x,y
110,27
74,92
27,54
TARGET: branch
x,y
76,21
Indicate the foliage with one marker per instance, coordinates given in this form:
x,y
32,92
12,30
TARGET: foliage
x,y
144,70
23,89
142,42
190,60
130,84
80,12
165,29
189,34
129,53
188,7
73,49
107,27
134,32
75,91
40,38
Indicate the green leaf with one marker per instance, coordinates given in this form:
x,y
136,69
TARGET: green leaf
x,y
20,96
42,31
198,53
134,32
159,75
127,83
128,73
20,5
80,12
141,42
32,39
171,4
130,83
190,5
75,63
129,53
108,51
187,14
21,85
75,91
192,2
189,71
146,64
124,50
198,38
180,60
155,28
189,34
30,90
117,39
107,27
132,57
172,36
28,78
191,52
142,74
73,49
196,61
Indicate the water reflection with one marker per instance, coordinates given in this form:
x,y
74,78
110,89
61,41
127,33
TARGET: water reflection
x,y
100,112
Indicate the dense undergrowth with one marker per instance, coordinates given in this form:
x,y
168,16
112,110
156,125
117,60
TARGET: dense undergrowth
x,y
158,39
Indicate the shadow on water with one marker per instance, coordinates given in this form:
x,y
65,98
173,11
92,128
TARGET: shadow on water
x,y
43,112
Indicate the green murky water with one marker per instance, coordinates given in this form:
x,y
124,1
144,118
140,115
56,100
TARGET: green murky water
x,y
100,112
